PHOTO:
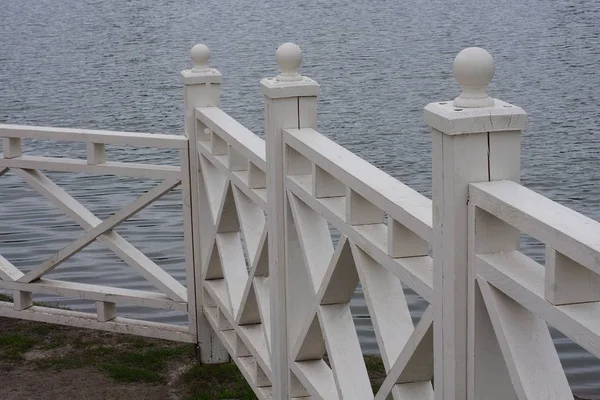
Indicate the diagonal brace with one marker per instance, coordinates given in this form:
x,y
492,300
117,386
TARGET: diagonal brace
x,y
80,243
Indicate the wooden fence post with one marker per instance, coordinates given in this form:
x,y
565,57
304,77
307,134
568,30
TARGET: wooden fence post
x,y
290,102
475,138
202,88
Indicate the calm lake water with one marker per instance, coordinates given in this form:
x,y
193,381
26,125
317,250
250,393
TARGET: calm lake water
x,y
115,64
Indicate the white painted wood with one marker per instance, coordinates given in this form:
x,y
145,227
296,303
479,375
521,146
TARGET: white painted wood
x,y
457,160
215,187
415,272
257,179
282,110
296,163
569,282
224,324
401,242
112,240
315,240
212,268
360,211
96,153
86,320
387,306
486,366
341,277
310,344
240,178
201,88
528,350
3,171
317,377
263,296
344,352
98,293
109,224
22,300
252,222
325,185
218,146
106,311
11,146
240,348
486,234
188,242
415,362
521,278
242,140
227,216
401,202
8,272
567,231
108,168
235,161
156,140
297,390
261,378
234,267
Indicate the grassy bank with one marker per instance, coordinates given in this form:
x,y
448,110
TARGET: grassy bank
x,y
45,361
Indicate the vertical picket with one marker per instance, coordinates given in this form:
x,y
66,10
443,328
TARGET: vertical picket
x,y
475,138
202,88
290,102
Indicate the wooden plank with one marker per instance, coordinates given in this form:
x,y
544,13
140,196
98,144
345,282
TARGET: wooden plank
x,y
22,300
252,222
241,179
400,201
106,311
341,278
109,224
315,239
85,320
237,135
234,267
360,211
568,282
112,240
415,361
317,377
533,364
11,147
8,272
387,306
96,153
416,272
98,293
3,170
94,136
457,161
108,168
325,185
565,230
521,278
344,352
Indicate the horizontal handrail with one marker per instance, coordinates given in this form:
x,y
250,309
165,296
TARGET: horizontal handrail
x,y
240,138
156,140
567,231
522,279
402,203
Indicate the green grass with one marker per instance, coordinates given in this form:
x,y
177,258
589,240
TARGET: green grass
x,y
221,381
14,345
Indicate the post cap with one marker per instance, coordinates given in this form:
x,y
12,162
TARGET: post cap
x,y
201,73
474,70
289,83
200,54
289,58
474,111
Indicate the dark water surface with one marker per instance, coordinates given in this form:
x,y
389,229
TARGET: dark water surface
x,y
114,64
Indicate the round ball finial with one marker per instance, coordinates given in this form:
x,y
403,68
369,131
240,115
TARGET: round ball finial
x,y
473,69
289,58
200,54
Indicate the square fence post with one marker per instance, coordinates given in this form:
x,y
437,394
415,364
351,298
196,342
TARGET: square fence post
x,y
202,88
290,102
475,138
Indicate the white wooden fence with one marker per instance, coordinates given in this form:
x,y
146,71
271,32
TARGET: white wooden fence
x,y
266,285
